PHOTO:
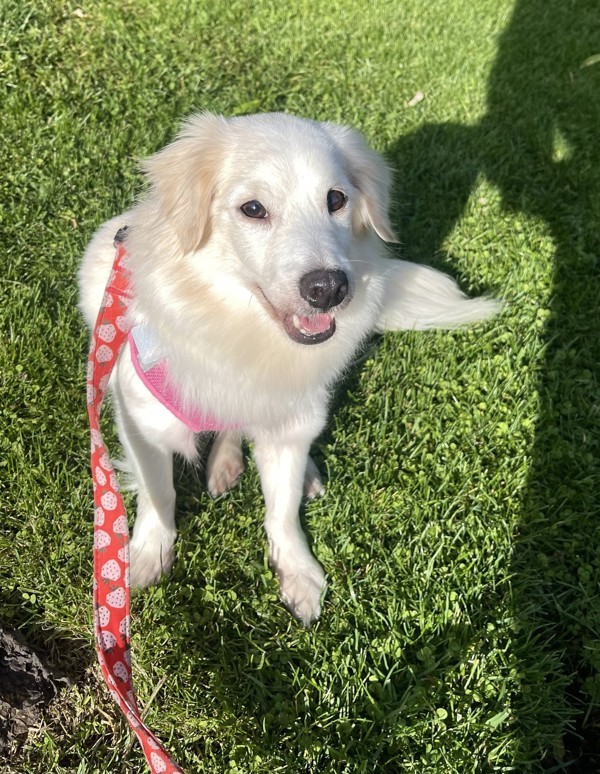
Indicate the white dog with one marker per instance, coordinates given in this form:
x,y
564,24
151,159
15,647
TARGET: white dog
x,y
257,270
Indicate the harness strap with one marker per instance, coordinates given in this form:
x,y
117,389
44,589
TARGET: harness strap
x,y
111,533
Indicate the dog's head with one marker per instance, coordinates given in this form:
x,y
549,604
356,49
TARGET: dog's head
x,y
284,202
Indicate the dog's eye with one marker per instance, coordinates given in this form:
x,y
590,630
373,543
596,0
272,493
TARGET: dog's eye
x,y
335,200
253,209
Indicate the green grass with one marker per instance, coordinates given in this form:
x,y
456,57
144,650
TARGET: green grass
x,y
461,529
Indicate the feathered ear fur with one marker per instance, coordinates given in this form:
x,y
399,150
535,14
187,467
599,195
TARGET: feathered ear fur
x,y
370,174
184,175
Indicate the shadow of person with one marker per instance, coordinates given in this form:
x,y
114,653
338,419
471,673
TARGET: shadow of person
x,y
538,145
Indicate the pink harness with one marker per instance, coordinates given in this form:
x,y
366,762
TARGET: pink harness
x,y
157,380
111,533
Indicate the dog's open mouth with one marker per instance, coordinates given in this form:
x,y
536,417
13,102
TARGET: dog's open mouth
x,y
309,329
303,329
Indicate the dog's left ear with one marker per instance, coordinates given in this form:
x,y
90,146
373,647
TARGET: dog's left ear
x,y
369,173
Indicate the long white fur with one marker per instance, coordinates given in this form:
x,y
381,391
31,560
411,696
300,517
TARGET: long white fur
x,y
200,273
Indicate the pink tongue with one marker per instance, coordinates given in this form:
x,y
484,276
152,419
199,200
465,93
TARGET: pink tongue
x,y
316,323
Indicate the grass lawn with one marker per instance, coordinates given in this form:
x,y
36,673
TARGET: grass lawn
x,y
461,526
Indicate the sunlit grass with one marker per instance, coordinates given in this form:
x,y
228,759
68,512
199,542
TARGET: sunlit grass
x,y
462,568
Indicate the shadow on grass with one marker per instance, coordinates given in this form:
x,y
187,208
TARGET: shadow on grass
x,y
538,143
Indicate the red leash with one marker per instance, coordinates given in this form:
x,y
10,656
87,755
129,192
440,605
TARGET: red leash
x,y
111,534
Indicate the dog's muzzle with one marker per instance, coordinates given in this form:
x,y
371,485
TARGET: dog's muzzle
x,y
324,289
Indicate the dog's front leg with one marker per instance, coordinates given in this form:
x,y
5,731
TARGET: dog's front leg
x,y
282,465
150,434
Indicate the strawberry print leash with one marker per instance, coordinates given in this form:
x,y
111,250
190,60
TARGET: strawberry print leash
x,y
111,534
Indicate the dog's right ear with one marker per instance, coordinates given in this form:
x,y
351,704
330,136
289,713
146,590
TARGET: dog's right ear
x,y
184,174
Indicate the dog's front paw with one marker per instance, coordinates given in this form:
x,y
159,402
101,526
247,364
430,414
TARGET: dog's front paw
x,y
150,558
302,585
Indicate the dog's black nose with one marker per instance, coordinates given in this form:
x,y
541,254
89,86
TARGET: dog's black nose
x,y
324,288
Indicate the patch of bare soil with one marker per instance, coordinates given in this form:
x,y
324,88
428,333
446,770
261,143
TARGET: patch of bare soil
x,y
27,686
